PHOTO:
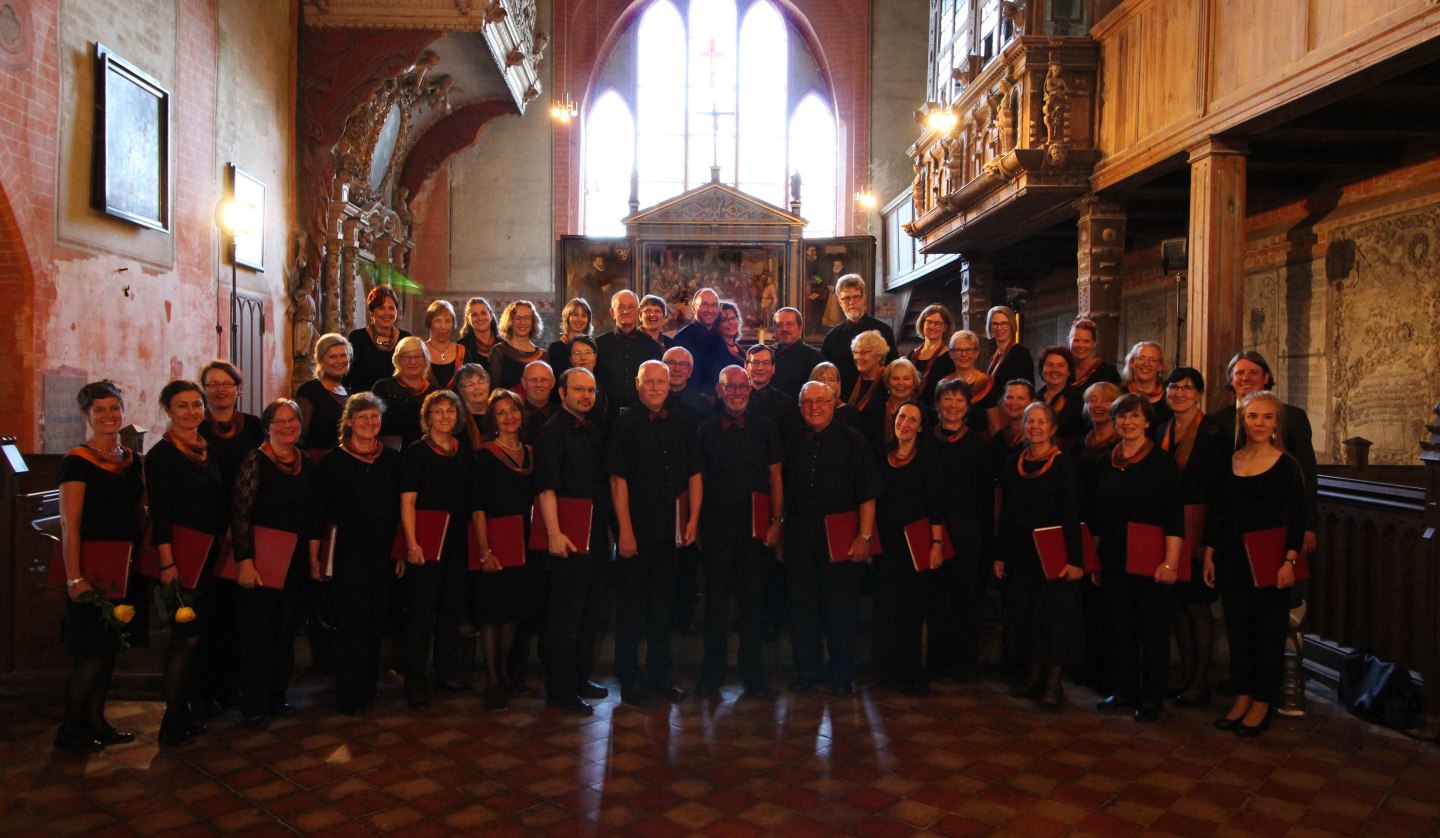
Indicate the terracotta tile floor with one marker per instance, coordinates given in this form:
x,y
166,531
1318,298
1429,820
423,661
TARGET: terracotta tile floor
x,y
966,761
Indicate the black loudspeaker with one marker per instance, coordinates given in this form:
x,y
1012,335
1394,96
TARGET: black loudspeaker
x,y
1174,256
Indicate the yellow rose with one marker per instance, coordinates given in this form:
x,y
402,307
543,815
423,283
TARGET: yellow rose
x,y
184,614
124,613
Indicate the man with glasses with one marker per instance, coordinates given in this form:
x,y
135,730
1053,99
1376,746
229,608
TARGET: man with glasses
x,y
765,400
620,353
850,291
794,358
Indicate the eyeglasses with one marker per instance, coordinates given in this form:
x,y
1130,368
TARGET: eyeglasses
x,y
965,350
1000,324
851,298
682,365
220,385
1182,388
932,322
411,356
756,362
735,388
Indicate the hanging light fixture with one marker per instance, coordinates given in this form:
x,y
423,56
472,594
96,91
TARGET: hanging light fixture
x,y
564,109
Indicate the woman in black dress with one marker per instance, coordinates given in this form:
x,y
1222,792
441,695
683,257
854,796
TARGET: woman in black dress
x,y
1056,366
521,328
909,475
447,355
404,392
100,500
932,357
984,395
1265,489
1089,367
1143,375
967,505
360,485
1089,452
1010,360
182,481
1043,626
868,396
481,333
231,434
472,383
575,320
375,344
1138,484
435,474
322,399
1202,453
274,489
505,480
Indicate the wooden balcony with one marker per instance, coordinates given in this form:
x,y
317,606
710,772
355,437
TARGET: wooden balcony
x,y
1020,154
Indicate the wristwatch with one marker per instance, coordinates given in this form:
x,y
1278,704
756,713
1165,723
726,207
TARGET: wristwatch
x,y
1289,561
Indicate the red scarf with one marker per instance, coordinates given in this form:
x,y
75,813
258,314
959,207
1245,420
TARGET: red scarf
x,y
197,452
290,466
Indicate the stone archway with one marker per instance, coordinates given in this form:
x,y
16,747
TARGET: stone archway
x,y
18,329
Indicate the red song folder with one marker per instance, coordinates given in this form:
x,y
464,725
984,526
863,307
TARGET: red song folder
x,y
759,515
918,537
430,527
1145,549
507,541
188,548
1054,554
1266,551
104,564
841,529
273,550
1196,515
574,514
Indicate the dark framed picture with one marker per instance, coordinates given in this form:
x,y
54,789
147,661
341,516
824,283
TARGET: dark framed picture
x,y
594,269
247,247
826,260
131,161
751,275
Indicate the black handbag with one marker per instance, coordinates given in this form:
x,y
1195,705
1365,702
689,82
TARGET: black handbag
x,y
1378,691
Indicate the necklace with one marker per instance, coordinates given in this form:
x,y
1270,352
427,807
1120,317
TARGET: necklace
x,y
387,342
116,453
443,354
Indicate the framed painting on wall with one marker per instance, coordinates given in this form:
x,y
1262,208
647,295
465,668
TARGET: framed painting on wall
x,y
826,260
130,164
750,275
247,248
594,269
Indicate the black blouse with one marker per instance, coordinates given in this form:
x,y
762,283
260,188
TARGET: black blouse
x,y
1145,492
362,500
911,492
1273,498
1038,497
503,489
111,510
326,408
183,491
269,497
230,443
402,410
368,362
967,490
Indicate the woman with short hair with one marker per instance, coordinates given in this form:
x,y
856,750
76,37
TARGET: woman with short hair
x,y
575,320
932,357
902,384
1010,360
322,398
828,374
472,383
1090,368
404,391
984,395
868,395
727,326
446,355
1056,366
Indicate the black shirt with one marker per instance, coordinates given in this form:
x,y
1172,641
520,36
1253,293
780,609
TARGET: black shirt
x,y
618,359
736,458
1298,439
183,491
692,403
912,492
967,490
793,365
1041,497
655,454
1207,464
111,510
1272,498
570,461
1017,364
269,497
1145,492
707,350
230,443
368,362
326,408
402,410
362,500
836,347
931,371
829,471
782,410
439,481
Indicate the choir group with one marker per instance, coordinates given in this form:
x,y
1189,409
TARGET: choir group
x,y
481,479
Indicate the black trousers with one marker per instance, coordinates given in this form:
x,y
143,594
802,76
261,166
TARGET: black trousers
x,y
644,597
213,675
434,603
736,565
567,591
1256,622
952,611
1139,611
687,586
821,594
362,588
267,621
899,613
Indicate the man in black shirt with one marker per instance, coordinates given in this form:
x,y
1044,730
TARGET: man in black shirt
x,y
741,455
619,353
765,400
691,403
683,397
828,470
700,337
538,381
794,358
850,290
651,462
570,463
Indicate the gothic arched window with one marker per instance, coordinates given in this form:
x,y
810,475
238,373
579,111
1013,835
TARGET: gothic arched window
x,y
709,82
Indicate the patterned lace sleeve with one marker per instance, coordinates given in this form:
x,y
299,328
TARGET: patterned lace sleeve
x,y
247,485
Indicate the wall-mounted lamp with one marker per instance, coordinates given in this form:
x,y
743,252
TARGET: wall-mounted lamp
x,y
234,217
866,199
941,120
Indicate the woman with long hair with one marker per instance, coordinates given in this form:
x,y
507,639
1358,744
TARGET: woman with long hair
x,y
446,354
472,383
481,333
1265,489
984,395
521,328
1144,375
100,500
575,320
182,481
360,486
932,357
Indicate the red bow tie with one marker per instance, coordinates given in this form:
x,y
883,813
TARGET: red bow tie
x,y
662,413
736,422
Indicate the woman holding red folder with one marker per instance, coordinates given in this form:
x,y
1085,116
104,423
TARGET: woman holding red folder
x,y
505,481
182,481
1043,627
435,503
274,494
1202,453
1265,490
100,492
360,488
1139,523
909,474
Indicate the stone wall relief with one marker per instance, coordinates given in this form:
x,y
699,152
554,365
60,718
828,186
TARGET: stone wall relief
x,y
1149,315
1385,360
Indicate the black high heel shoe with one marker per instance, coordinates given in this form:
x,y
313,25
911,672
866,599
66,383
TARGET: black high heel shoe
x,y
1200,700
174,731
77,740
1250,732
108,736
1224,723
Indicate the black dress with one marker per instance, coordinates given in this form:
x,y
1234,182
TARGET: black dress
x,y
229,443
1256,619
362,503
323,431
1043,621
1103,371
967,498
868,398
110,513
909,495
400,424
1069,407
184,491
1014,364
931,371
368,362
507,365
504,489
1204,463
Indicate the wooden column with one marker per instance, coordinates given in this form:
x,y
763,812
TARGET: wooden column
x,y
977,283
1216,298
1098,260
